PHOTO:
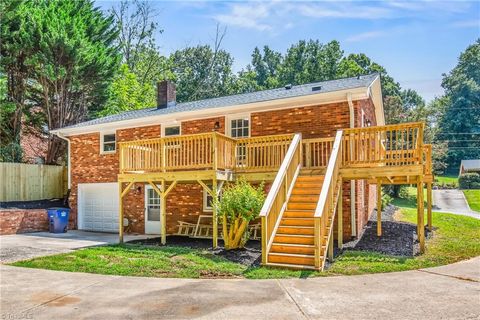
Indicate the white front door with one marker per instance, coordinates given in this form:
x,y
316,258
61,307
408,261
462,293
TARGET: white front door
x,y
152,211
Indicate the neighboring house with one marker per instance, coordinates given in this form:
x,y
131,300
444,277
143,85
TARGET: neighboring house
x,y
470,166
171,178
34,147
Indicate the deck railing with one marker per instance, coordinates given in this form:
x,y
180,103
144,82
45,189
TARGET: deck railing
x,y
276,201
204,151
327,203
393,145
316,152
261,153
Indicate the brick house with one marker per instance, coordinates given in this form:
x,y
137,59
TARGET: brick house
x,y
156,146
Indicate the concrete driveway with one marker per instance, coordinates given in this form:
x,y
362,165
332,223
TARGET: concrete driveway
x,y
452,201
449,292
30,245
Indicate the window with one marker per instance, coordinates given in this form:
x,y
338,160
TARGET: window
x,y
207,200
107,143
171,130
239,127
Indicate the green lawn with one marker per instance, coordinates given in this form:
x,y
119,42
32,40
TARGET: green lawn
x,y
454,238
473,199
450,179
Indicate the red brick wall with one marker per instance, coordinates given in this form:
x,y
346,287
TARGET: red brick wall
x,y
365,197
14,221
185,202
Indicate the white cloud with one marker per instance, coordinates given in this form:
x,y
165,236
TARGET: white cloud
x,y
466,24
247,16
344,10
365,36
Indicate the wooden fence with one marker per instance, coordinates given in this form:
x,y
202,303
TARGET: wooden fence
x,y
24,182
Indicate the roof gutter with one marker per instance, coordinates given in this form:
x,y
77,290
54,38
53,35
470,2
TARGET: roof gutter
x,y
353,217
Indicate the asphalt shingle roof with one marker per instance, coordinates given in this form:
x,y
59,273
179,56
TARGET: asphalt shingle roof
x,y
238,99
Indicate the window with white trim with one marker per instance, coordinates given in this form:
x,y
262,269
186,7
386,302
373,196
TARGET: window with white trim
x,y
169,131
208,199
239,127
107,142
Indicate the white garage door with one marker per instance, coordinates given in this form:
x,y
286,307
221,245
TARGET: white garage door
x,y
98,207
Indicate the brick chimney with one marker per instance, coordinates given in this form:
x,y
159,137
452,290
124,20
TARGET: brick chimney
x,y
166,94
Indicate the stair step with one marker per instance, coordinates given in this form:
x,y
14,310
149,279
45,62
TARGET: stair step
x,y
307,191
292,248
311,178
296,230
293,238
297,221
301,205
298,213
308,184
291,266
304,198
302,259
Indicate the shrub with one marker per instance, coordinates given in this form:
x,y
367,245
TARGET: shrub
x,y
240,203
469,181
386,200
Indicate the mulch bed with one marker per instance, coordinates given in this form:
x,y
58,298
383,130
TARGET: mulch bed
x,y
398,238
249,256
36,204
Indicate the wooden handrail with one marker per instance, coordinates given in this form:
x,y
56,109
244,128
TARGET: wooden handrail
x,y
326,205
277,198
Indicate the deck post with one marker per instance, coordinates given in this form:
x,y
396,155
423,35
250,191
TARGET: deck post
x,y
214,213
330,247
379,207
420,215
429,205
120,213
163,214
340,217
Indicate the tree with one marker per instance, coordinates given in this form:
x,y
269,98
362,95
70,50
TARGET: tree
x,y
69,52
460,123
311,61
126,93
14,73
240,203
266,67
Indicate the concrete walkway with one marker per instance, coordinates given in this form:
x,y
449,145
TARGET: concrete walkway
x,y
30,245
449,292
452,201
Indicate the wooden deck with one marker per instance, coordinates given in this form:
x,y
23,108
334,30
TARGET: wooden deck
x,y
382,155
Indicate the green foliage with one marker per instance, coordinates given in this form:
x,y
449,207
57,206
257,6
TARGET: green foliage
x,y
241,200
459,124
127,93
469,180
201,72
386,200
240,203
62,57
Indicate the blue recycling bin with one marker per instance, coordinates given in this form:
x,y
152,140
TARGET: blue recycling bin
x,y
58,219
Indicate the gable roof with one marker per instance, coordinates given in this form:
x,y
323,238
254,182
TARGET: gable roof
x,y
470,165
364,81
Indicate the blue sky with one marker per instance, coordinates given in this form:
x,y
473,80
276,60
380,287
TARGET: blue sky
x,y
416,41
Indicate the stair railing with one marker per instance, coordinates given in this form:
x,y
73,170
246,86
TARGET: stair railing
x,y
327,202
277,198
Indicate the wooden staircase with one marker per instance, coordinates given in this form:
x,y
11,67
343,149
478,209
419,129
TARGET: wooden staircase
x,y
293,244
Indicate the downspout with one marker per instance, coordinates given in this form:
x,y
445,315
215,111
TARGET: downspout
x,y
352,182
